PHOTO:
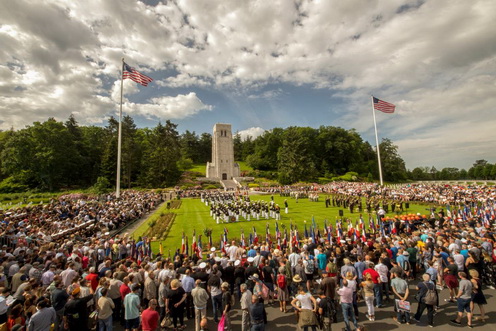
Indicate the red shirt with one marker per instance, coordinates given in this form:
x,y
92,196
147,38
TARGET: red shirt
x,y
149,319
124,290
373,273
93,279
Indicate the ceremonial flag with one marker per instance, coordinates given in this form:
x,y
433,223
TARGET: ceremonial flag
x,y
364,237
226,231
183,244
383,106
313,230
193,244
278,236
199,249
161,248
267,234
285,241
306,231
187,246
134,75
372,224
255,236
222,243
251,239
242,241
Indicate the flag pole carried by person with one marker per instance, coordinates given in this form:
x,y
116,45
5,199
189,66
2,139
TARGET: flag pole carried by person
x,y
131,73
385,107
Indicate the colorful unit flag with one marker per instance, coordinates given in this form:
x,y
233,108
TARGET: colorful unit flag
x,y
383,106
134,75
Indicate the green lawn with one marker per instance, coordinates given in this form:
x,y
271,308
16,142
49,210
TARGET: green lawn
x,y
194,215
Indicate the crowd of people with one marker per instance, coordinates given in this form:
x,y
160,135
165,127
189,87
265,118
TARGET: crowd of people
x,y
58,275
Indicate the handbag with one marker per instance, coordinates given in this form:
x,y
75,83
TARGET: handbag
x,y
166,321
222,323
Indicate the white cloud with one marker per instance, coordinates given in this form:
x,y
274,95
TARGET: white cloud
x,y
251,132
435,59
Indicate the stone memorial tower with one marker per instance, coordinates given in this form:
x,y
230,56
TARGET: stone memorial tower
x,y
222,166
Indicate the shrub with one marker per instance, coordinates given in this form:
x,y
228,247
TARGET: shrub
x,y
10,185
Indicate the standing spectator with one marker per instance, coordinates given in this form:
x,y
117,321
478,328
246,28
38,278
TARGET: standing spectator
x,y
450,279
401,291
44,317
76,311
174,303
368,293
150,291
162,294
150,317
132,309
422,288
478,296
464,298
377,286
216,295
114,294
4,293
105,310
226,305
306,309
326,310
68,275
257,314
245,307
15,317
346,299
383,270
200,301
59,298
188,284
282,289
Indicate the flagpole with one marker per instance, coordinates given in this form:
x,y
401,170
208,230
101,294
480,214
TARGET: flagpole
x,y
377,142
119,140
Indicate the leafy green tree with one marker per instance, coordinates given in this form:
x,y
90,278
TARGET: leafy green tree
x,y
162,154
190,146
238,147
296,156
264,156
205,148
130,151
393,166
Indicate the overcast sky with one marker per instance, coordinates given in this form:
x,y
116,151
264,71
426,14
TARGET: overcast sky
x,y
262,64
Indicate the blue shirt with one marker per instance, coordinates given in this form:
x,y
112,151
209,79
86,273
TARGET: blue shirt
x,y
252,253
322,258
464,252
394,251
360,267
188,284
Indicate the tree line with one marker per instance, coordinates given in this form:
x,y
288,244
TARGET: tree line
x,y
481,169
55,155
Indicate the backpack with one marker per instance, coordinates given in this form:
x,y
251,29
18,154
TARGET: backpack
x,y
406,266
281,281
430,298
310,267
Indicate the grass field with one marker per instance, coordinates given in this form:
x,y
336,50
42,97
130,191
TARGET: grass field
x,y
194,215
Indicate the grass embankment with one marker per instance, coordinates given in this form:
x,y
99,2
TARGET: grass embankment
x,y
194,215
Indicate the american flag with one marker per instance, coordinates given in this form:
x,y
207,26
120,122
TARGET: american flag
x,y
135,76
383,106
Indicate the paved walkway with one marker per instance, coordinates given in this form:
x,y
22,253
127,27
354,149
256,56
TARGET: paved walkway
x,y
278,321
